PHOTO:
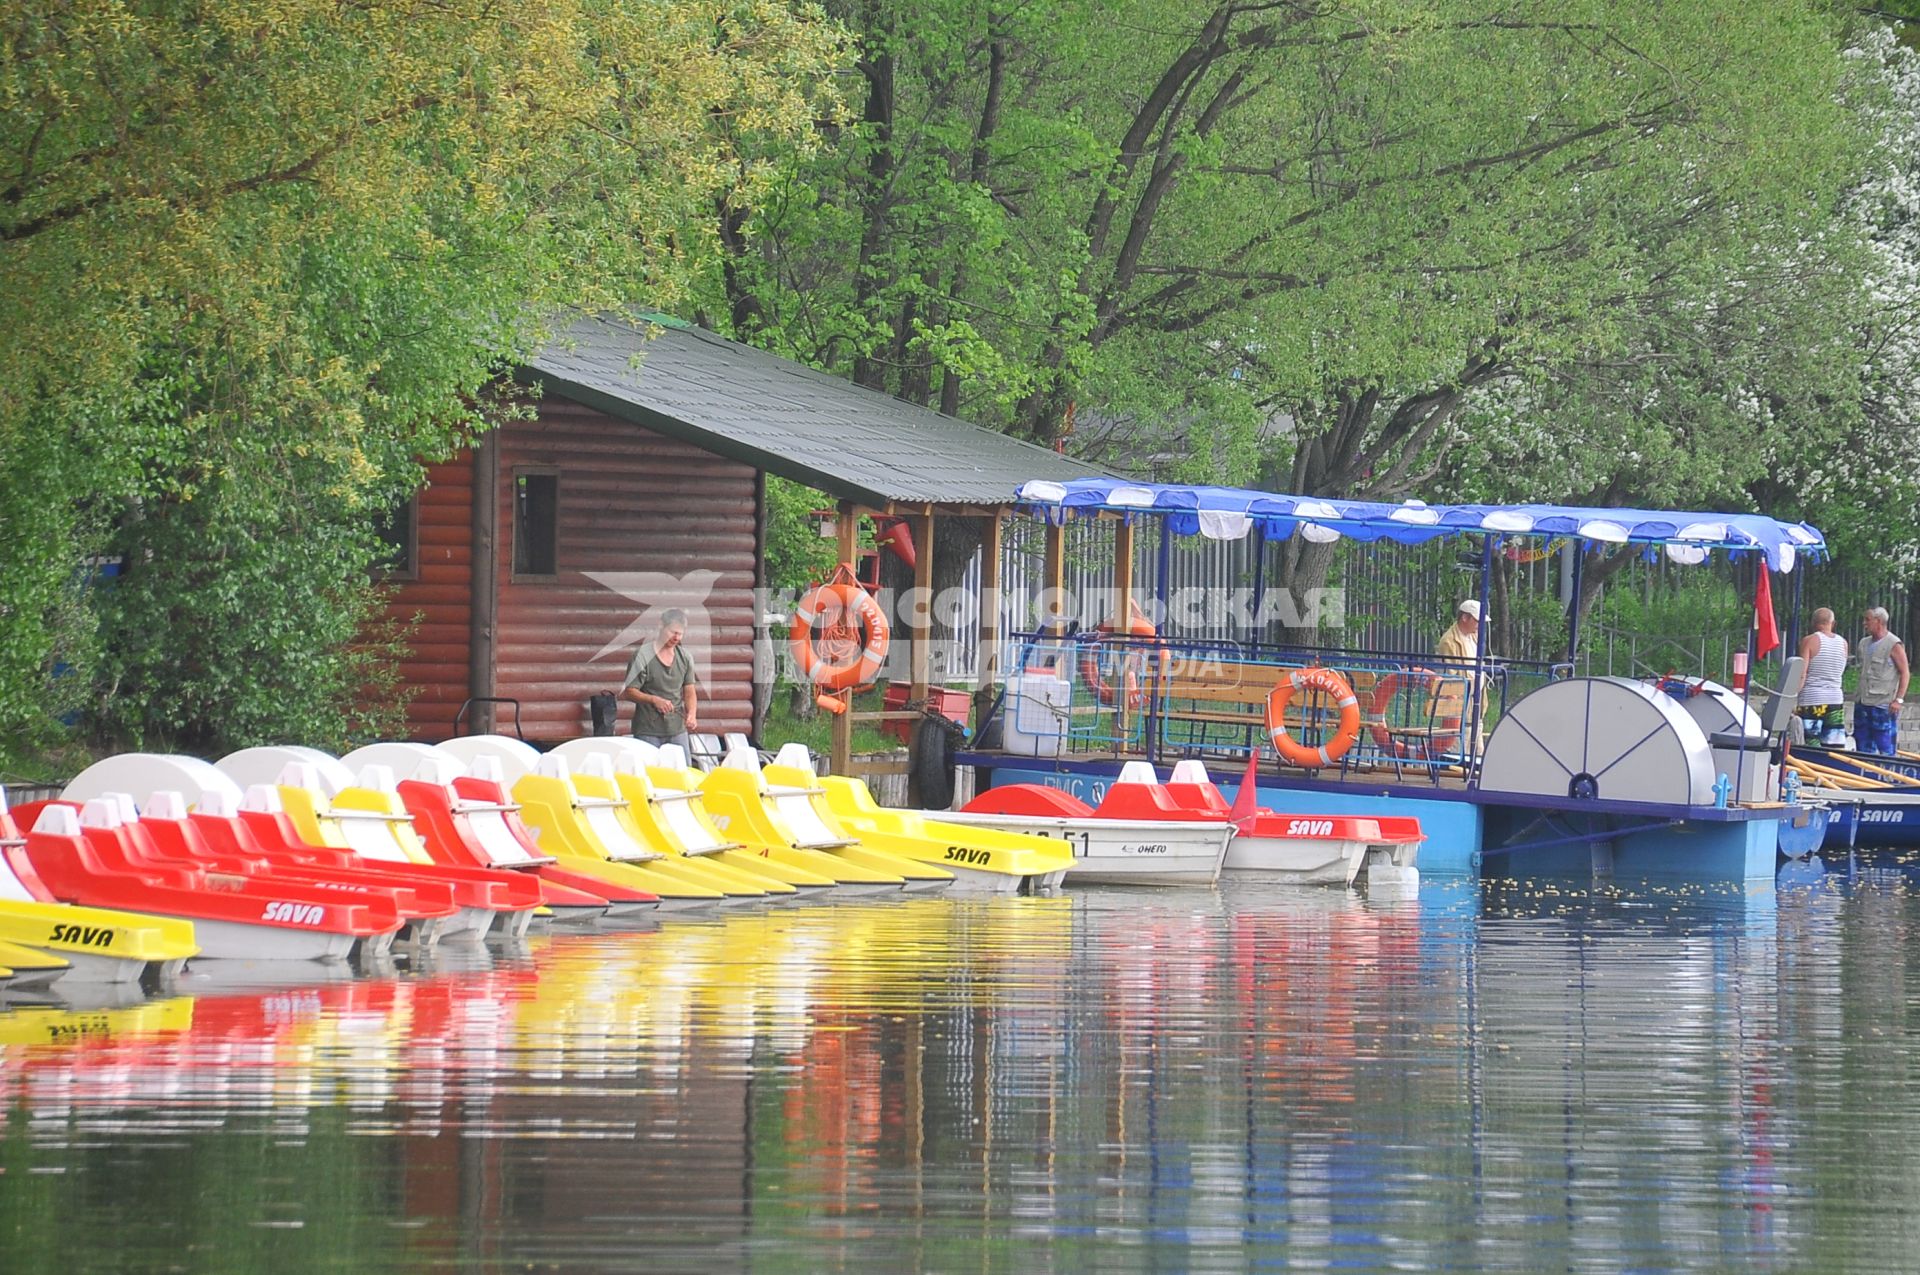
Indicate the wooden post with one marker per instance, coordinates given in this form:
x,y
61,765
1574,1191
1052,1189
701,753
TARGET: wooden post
x,y
1163,583
1122,618
1258,634
848,526
1056,577
920,618
483,618
760,694
989,649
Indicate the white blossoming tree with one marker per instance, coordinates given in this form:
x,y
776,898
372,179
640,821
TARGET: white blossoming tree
x,y
1790,384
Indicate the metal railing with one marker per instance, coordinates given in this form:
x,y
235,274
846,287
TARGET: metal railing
x,y
1089,695
1401,596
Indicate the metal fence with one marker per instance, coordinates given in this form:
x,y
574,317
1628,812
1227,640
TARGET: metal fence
x,y
1193,567
1652,618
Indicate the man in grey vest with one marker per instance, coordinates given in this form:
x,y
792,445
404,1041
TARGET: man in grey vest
x,y
663,686
1883,688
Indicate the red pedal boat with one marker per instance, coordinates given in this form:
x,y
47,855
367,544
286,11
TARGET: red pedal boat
x,y
1302,848
472,817
85,857
1137,836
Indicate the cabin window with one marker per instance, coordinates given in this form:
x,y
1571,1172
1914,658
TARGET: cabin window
x,y
399,531
536,523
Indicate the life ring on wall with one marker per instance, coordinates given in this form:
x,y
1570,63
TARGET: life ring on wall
x,y
1383,692
839,658
1328,683
1138,625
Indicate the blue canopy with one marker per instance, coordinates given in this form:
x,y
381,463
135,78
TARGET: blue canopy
x,y
1228,513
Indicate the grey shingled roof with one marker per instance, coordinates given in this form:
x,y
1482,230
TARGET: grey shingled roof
x,y
731,399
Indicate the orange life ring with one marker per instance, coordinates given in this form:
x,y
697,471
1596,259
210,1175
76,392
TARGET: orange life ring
x,y
843,659
1329,683
1138,626
1383,692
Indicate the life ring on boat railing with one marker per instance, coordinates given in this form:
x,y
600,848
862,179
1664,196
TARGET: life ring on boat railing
x,y
1330,684
839,657
1383,692
1139,626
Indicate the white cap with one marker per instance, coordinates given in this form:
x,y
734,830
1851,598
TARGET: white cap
x,y
167,805
794,754
1470,607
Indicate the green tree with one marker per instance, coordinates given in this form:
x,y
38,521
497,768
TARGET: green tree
x,y
796,553
257,257
1790,386
1356,219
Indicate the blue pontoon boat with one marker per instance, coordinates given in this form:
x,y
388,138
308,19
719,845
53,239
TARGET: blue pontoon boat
x,y
1512,767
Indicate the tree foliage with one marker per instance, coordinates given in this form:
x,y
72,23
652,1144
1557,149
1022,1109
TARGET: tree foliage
x,y
1570,249
259,257
797,555
1791,384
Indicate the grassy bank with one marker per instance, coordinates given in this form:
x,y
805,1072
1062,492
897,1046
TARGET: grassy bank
x,y
816,732
53,765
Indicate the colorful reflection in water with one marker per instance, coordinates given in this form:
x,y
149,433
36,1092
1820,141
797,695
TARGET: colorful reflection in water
x,y
1512,1078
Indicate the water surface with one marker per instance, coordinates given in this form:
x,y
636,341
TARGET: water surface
x,y
1512,1078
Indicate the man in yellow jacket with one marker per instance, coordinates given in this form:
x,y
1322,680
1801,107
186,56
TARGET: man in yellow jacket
x,y
1462,641
1459,646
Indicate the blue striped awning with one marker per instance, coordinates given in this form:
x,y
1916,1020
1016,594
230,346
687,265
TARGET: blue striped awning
x,y
1228,513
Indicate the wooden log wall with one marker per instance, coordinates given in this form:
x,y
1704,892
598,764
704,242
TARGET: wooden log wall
x,y
631,503
439,600
668,521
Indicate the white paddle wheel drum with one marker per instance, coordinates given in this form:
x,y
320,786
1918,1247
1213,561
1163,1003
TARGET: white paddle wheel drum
x,y
1600,738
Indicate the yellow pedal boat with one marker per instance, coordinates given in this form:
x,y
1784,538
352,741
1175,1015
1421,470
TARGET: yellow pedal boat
x,y
981,859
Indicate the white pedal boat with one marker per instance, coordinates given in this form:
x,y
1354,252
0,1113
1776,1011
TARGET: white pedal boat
x,y
1329,849
1120,851
1149,832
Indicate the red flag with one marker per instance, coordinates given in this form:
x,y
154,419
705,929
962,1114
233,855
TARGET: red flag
x,y
1246,802
1766,629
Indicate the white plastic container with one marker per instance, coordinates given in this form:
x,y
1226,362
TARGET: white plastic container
x,y
1759,779
1035,712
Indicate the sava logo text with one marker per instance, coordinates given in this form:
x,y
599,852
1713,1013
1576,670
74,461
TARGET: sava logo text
x,y
294,913
82,935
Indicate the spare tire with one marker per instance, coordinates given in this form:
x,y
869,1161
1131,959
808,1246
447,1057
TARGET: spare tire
x,y
930,763
990,707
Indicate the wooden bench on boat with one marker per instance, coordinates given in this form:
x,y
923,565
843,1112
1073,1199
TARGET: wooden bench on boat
x,y
1233,694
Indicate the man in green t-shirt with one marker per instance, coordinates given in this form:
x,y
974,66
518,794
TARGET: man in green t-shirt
x,y
663,687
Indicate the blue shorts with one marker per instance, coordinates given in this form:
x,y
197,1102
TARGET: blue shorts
x,y
1875,730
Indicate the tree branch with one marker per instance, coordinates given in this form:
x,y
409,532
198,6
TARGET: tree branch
x,y
300,170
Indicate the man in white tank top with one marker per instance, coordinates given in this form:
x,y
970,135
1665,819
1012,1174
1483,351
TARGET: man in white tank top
x,y
1822,702
1883,687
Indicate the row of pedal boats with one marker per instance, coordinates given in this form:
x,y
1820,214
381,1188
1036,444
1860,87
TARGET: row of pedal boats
x,y
147,861
1874,799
